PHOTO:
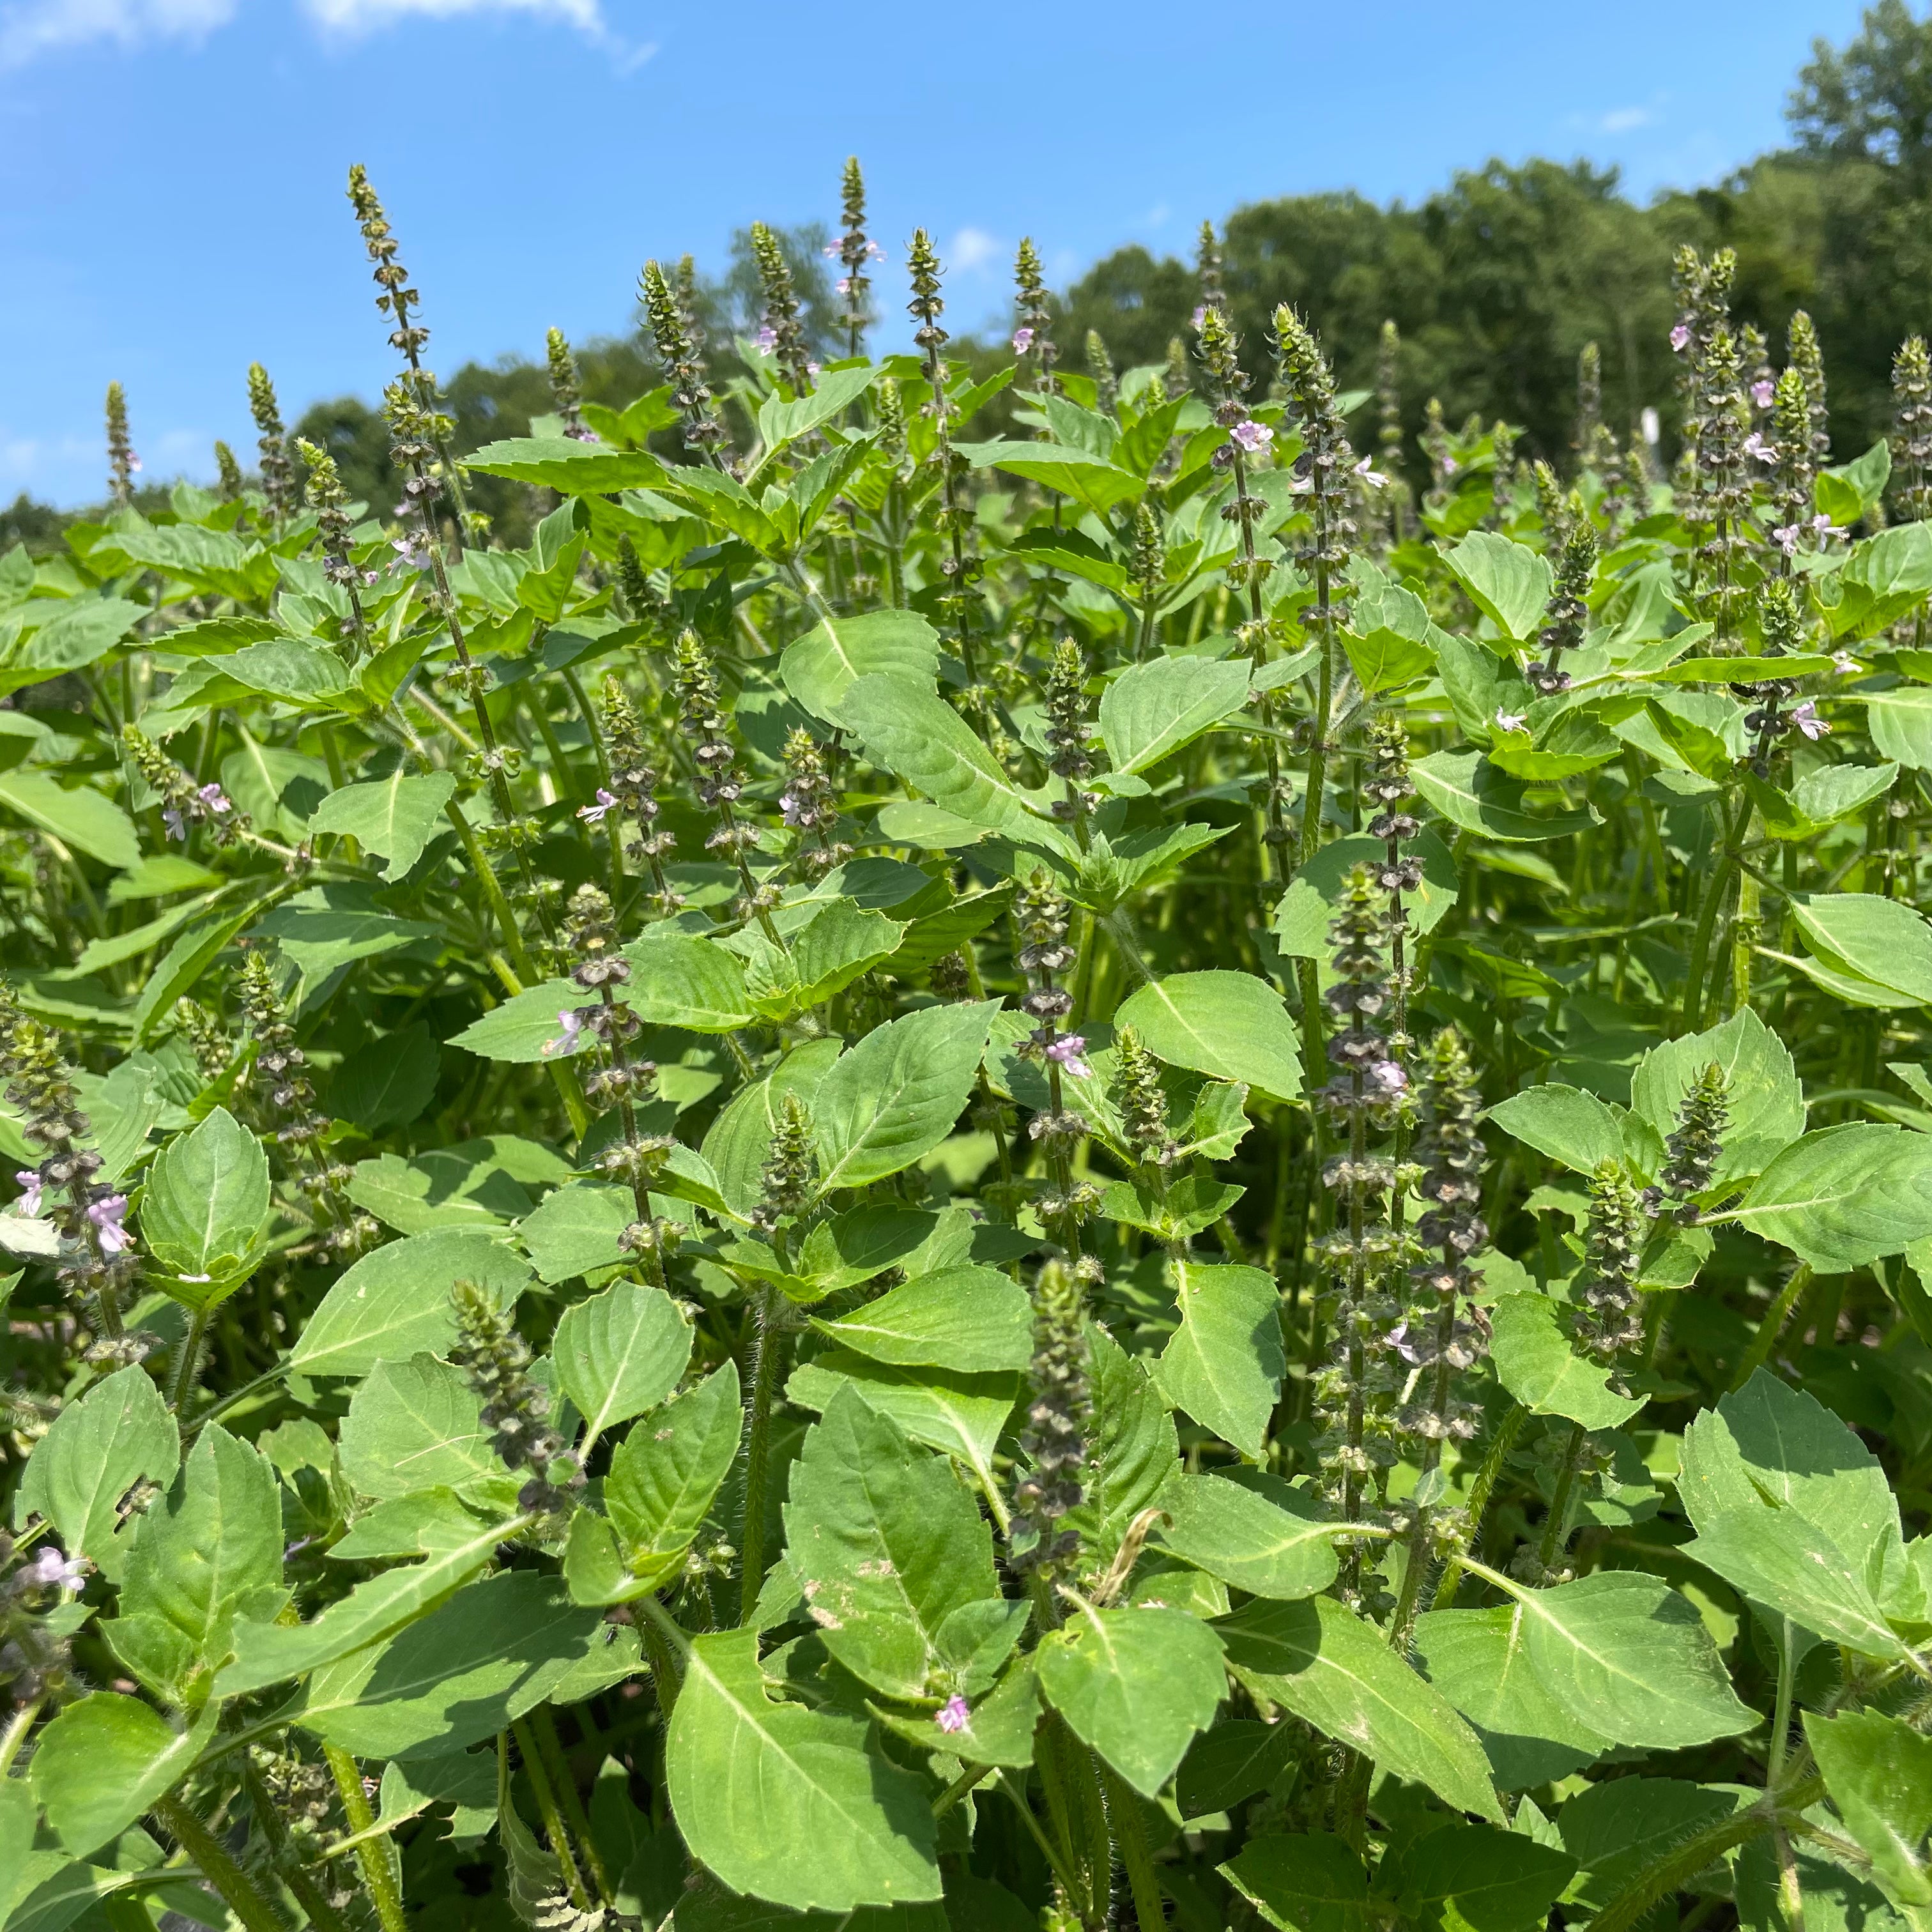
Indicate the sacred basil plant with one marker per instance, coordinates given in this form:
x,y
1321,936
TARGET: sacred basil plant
x,y
1061,1149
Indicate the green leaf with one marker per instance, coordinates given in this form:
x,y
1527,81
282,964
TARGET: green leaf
x,y
331,926
1232,1761
1152,709
1270,1543
1135,1683
494,1652
1136,1450
619,1353
570,468
1879,1772
394,817
213,1542
1900,724
395,1302
1569,1126
416,1425
1302,1882
526,1028
1841,1197
266,1653
834,392
679,980
1231,1025
578,1229
79,817
1302,918
1474,1878
389,1080
825,663
118,1434
1535,1362
887,1547
1762,1093
1885,578
664,1473
969,1319
1617,1830
1091,480
1328,1666
961,1414
70,636
1853,487
823,957
205,1209
910,731
443,1188
752,1781
1480,1660
1630,1658
1473,794
1509,582
897,1094
182,966
104,1760
1878,939
1224,1364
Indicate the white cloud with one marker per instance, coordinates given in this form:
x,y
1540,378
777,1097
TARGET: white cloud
x,y
1625,120
972,248
41,26
353,18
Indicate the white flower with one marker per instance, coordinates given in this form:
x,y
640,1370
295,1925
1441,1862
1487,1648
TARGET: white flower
x,y
1805,717
1754,445
30,1191
1845,664
765,340
566,1040
1369,475
1651,427
1512,721
1022,340
1786,537
107,1217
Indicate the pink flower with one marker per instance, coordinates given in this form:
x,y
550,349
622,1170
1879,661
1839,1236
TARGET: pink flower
x,y
1754,445
1805,717
953,1715
1845,664
566,1041
814,368
765,340
1199,315
1761,393
1251,436
1786,537
50,1570
1386,1076
1022,340
580,435
843,284
107,1217
133,461
215,799
30,1191
1680,338
1450,466
1067,1050
1369,475
1825,527
593,814
412,554
873,252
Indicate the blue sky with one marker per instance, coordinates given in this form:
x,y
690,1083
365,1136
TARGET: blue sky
x,y
175,207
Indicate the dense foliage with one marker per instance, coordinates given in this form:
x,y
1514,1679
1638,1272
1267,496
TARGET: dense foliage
x,y
929,1179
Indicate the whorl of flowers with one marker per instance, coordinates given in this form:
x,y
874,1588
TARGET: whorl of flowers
x,y
854,250
1032,335
1693,1148
1606,1319
632,790
278,473
330,501
1568,611
566,389
1911,429
495,1360
1803,354
185,805
122,461
782,335
677,351
1059,1409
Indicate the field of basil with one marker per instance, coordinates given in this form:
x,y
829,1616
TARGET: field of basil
x,y
1174,1169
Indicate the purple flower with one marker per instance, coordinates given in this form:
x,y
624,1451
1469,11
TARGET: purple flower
x,y
412,554
1512,721
1754,445
1067,1050
814,369
30,1191
215,799
593,814
50,1570
1399,1340
953,1715
843,284
873,252
1786,537
1680,338
566,1041
1251,436
1805,717
1387,1077
1845,664
173,820
1761,393
107,1217
1369,475
1825,527
791,808
1450,466
1199,315
765,340
581,435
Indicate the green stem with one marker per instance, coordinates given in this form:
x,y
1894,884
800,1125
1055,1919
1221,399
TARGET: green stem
x,y
551,1745
1128,1830
1479,1501
289,1867
1677,1868
15,1735
1556,1526
1691,1017
552,1817
187,1363
378,1876
1056,1863
1772,1326
757,1454
239,1892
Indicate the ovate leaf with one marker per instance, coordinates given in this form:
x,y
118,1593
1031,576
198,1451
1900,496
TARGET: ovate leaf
x,y
1232,1025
